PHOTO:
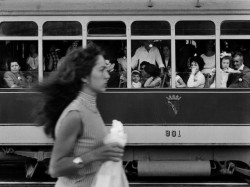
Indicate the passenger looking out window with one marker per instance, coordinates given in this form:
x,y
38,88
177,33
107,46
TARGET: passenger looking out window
x,y
136,77
148,52
15,78
242,79
166,55
113,81
153,74
179,83
144,75
196,78
209,57
224,71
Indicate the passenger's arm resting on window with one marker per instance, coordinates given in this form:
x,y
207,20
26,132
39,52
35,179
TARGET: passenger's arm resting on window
x,y
9,81
193,83
150,83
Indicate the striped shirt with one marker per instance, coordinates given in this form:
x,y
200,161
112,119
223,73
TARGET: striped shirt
x,y
92,137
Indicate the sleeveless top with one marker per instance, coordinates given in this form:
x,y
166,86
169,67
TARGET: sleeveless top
x,y
92,137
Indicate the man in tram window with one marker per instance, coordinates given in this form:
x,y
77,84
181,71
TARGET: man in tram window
x,y
53,58
148,52
239,80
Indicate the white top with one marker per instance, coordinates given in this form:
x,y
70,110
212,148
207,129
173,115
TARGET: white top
x,y
223,80
196,81
209,63
151,56
123,62
32,62
136,84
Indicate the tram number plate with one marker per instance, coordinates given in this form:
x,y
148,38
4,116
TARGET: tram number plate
x,y
173,133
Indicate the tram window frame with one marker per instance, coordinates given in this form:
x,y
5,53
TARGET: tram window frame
x,y
239,31
15,26
168,31
63,34
106,34
190,33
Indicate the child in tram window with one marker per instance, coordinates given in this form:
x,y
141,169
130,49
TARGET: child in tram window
x,y
179,83
224,71
136,77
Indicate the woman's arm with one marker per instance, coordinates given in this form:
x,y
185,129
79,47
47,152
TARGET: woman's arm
x,y
61,163
151,83
181,82
194,83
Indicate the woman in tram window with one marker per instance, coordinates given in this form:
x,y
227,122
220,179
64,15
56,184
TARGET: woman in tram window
x,y
196,78
15,78
154,79
71,117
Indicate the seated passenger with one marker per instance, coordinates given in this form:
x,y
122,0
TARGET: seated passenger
x,y
136,79
15,78
209,57
179,83
32,60
144,75
224,71
153,74
113,81
196,78
242,79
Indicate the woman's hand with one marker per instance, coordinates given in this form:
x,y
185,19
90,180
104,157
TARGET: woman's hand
x,y
193,70
113,152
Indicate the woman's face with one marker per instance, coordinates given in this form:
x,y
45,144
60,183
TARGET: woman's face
x,y
225,63
194,65
14,67
98,79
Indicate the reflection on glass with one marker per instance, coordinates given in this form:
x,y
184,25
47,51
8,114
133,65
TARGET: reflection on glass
x,y
22,28
235,27
150,28
195,28
62,28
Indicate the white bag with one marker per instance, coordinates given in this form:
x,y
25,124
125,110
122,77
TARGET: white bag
x,y
111,174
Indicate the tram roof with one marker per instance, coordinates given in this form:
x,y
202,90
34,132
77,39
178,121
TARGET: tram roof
x,y
123,7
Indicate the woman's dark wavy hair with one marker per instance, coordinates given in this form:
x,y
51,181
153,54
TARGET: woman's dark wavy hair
x,y
198,60
152,70
62,87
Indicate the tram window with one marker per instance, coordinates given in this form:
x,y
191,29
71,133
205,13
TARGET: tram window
x,y
150,58
237,52
23,28
195,28
62,28
150,28
235,28
104,28
195,63
115,54
18,64
54,52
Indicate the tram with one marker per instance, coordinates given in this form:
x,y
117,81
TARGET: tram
x,y
172,132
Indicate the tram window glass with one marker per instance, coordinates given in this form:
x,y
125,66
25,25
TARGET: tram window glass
x,y
105,28
235,28
115,54
234,76
54,52
151,59
62,28
22,28
199,74
18,64
150,28
195,28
